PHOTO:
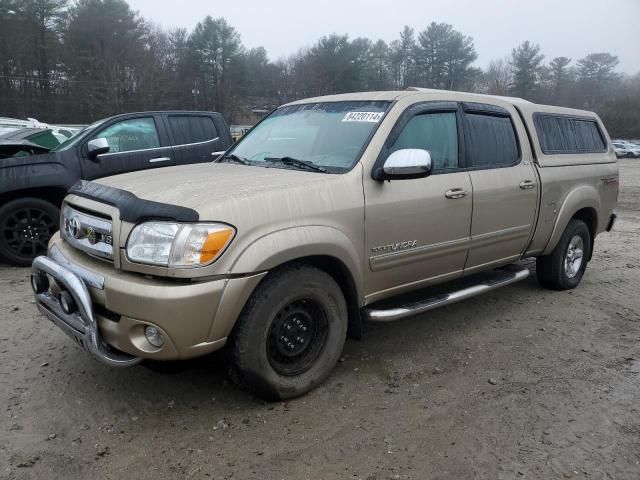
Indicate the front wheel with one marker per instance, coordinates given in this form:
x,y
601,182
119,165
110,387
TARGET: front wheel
x,y
26,225
564,267
290,334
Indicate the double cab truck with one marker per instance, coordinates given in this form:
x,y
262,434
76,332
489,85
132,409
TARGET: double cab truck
x,y
32,187
329,213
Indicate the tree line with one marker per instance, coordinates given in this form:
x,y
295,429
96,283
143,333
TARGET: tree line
x,y
78,61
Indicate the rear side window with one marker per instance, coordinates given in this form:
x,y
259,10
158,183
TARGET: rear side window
x,y
564,134
435,132
491,140
192,128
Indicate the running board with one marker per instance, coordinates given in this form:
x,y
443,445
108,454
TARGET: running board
x,y
481,283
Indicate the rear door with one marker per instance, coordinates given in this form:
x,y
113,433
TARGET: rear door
x,y
135,143
196,137
505,186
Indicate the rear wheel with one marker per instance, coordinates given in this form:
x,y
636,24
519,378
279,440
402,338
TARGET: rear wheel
x,y
564,267
290,334
26,225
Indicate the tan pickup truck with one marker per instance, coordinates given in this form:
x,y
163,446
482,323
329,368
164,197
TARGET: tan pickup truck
x,y
330,212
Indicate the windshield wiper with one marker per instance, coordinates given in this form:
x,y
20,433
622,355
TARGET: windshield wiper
x,y
294,162
234,158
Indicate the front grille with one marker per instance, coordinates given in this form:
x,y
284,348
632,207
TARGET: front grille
x,y
87,232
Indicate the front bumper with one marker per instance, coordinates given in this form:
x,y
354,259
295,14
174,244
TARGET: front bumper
x,y
80,324
113,307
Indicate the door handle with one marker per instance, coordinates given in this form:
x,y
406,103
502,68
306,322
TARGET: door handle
x,y
160,159
455,193
527,184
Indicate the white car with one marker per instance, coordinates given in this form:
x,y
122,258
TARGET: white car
x,y
635,148
625,150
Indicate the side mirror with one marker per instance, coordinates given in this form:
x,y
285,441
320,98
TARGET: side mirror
x,y
96,147
405,164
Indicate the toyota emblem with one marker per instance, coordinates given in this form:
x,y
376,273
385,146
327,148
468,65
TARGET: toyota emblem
x,y
73,227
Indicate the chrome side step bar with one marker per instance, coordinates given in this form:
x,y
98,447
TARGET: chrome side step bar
x,y
502,277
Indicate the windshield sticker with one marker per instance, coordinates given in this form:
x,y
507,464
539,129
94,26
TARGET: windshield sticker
x,y
373,117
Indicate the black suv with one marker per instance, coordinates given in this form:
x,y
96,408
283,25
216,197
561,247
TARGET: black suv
x,y
32,187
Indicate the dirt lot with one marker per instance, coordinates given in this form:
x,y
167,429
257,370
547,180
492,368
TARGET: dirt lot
x,y
522,383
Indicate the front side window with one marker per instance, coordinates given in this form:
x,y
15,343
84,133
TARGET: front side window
x,y
491,140
330,135
132,134
435,132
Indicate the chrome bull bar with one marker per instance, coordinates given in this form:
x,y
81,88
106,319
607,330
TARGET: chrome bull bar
x,y
80,324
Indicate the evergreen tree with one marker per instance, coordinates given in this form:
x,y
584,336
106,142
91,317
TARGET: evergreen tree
x,y
526,68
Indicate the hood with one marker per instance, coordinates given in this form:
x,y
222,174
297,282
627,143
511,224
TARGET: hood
x,y
260,203
208,187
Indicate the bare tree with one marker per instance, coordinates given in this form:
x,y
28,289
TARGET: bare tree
x,y
497,77
402,59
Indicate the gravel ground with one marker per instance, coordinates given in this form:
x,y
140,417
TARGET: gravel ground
x,y
521,383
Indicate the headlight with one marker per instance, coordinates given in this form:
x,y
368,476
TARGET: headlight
x,y
178,244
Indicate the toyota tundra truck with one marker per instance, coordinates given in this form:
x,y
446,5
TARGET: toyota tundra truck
x,y
331,212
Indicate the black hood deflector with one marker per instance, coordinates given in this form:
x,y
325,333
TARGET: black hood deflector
x,y
133,209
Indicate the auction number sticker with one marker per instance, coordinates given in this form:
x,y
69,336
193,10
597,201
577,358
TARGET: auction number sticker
x,y
373,117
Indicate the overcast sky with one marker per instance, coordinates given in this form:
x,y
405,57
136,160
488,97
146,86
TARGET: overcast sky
x,y
571,28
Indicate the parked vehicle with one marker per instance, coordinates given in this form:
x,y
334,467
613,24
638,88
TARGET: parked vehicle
x,y
621,150
61,132
330,211
44,137
633,148
24,142
32,188
15,123
625,149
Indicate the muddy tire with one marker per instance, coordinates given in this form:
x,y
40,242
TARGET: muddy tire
x,y
26,225
290,333
564,268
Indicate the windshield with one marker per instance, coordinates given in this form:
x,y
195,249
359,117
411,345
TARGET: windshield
x,y
329,135
70,142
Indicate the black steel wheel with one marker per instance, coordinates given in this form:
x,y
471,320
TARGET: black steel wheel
x,y
26,225
297,335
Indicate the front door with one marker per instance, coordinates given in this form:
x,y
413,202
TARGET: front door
x,y
134,144
505,187
417,230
